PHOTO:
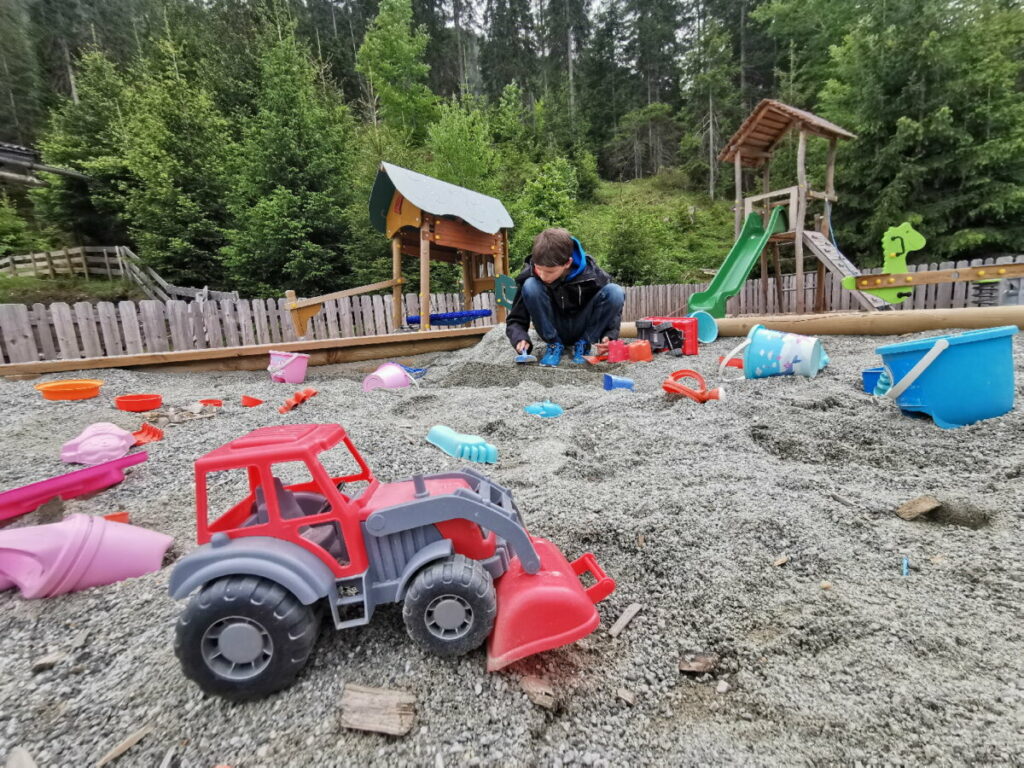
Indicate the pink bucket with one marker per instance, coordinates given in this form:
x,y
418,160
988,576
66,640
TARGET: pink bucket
x,y
388,376
288,367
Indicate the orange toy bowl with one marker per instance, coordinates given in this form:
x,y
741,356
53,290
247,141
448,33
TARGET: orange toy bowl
x,y
138,403
70,389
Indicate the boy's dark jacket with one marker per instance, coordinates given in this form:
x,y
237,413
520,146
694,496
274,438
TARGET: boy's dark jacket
x,y
568,295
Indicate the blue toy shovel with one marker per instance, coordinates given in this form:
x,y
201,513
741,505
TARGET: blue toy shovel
x,y
525,358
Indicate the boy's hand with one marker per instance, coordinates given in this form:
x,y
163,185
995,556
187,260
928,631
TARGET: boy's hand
x,y
602,346
522,347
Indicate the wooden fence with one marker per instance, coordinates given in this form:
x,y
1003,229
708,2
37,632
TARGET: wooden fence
x,y
104,262
63,332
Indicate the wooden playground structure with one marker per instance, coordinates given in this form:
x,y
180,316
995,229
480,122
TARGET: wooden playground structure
x,y
753,146
431,220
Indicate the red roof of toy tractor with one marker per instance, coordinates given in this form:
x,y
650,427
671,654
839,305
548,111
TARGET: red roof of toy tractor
x,y
290,442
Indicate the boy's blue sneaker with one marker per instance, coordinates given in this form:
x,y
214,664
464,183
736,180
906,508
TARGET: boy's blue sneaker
x,y
553,355
579,349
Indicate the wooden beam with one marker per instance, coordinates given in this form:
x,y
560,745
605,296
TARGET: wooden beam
x,y
319,300
253,357
830,168
396,278
425,273
877,323
468,289
738,181
937,276
798,229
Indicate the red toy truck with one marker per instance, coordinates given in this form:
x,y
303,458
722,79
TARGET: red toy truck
x,y
451,547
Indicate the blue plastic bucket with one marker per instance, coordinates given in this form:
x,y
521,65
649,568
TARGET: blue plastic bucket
x,y
707,326
958,379
869,377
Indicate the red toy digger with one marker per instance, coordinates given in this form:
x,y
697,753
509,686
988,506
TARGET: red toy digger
x,y
451,547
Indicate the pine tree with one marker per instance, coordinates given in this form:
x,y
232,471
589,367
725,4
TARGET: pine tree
x,y
391,61
932,89
175,144
291,180
509,52
460,149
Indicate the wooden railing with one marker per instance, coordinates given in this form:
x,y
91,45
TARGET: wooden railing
x,y
104,262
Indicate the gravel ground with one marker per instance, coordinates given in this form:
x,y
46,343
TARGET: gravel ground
x,y
687,506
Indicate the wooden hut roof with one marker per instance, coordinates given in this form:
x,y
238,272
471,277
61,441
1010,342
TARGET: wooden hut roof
x,y
436,197
761,132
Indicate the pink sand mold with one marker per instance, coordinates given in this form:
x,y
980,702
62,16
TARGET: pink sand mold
x,y
98,442
78,483
79,552
389,376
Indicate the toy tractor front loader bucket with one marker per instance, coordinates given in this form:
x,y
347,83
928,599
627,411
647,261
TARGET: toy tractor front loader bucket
x,y
547,609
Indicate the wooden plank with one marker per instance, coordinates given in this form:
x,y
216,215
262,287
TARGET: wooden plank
x,y
16,329
87,329
229,323
389,313
245,322
64,325
181,329
347,329
259,313
153,325
44,331
211,319
319,322
198,323
369,322
285,319
377,709
330,314
130,327
273,321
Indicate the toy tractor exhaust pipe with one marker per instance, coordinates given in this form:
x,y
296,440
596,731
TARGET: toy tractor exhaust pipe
x,y
547,609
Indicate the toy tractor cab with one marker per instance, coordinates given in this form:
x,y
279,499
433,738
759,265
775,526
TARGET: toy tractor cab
x,y
451,547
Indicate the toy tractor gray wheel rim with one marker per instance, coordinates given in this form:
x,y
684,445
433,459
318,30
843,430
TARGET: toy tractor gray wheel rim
x,y
448,617
237,647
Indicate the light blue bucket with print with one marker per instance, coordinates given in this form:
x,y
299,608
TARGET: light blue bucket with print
x,y
957,380
707,326
778,353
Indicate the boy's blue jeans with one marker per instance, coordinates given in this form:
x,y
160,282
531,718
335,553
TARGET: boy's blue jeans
x,y
591,324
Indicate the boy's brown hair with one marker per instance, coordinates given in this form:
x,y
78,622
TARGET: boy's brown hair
x,y
552,248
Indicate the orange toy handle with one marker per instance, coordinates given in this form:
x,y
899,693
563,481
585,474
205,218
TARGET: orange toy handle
x,y
604,586
672,385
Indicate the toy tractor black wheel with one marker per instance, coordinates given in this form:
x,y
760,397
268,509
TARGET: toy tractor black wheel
x,y
450,606
244,637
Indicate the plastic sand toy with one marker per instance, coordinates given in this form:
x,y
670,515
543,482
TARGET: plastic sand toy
x,y
546,410
98,442
138,403
70,389
451,548
460,446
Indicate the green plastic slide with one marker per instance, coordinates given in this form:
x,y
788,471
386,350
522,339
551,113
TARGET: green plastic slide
x,y
737,265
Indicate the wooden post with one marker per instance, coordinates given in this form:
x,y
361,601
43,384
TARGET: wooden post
x,y
777,267
819,290
396,274
67,260
798,230
766,188
830,186
467,281
425,273
738,181
501,267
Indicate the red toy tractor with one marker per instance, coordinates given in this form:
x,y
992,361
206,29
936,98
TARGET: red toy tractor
x,y
451,547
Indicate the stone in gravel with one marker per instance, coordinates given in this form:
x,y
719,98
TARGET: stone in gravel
x,y
378,709
79,640
627,696
20,758
49,661
627,616
826,585
124,746
722,687
50,512
780,560
698,662
914,508
539,691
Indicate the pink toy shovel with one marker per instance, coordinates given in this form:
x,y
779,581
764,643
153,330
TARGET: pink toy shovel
x,y
77,483
77,553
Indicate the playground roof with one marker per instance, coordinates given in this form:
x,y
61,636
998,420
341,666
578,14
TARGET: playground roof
x,y
761,132
435,197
